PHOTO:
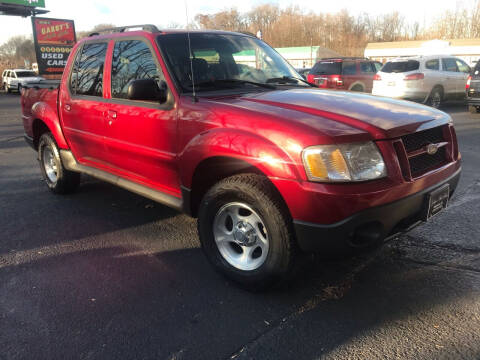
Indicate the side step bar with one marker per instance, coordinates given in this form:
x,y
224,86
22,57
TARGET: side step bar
x,y
71,164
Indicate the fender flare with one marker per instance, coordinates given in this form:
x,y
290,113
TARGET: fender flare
x,y
43,112
261,153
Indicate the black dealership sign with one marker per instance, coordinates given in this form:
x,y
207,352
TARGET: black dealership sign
x,y
54,40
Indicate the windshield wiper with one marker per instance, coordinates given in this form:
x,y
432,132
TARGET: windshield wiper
x,y
234,82
288,79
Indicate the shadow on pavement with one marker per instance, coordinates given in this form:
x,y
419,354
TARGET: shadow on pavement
x,y
125,302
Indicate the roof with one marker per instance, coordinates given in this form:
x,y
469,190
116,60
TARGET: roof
x,y
419,43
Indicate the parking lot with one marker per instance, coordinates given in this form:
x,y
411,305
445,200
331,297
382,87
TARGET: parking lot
x,y
107,274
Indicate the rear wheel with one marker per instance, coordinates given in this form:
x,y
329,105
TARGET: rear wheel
x,y
474,109
436,98
58,179
358,88
246,232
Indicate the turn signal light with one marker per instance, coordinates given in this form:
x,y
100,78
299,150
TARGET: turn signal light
x,y
417,76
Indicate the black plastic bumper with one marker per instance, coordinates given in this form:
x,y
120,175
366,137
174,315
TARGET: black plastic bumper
x,y
29,141
369,226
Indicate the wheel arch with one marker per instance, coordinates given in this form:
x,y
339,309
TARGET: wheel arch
x,y
357,83
47,118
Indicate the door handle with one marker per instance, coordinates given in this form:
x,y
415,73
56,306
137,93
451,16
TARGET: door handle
x,y
111,115
68,107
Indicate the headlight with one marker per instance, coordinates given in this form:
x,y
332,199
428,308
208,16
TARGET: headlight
x,y
345,162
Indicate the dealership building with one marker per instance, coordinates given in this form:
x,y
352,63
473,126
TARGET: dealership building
x,y
466,49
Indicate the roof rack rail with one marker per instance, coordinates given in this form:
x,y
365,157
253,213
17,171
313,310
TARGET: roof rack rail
x,y
346,58
120,29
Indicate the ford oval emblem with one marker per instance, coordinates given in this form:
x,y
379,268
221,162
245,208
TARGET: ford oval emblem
x,y
432,149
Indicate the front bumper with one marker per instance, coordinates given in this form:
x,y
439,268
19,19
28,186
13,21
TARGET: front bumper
x,y
368,226
473,101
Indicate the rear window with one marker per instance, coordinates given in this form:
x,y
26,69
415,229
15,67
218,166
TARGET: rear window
x,y
327,68
400,66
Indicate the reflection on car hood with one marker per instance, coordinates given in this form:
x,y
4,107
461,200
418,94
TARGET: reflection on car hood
x,y
382,117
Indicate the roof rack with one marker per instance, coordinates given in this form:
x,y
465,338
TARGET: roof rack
x,y
346,58
121,29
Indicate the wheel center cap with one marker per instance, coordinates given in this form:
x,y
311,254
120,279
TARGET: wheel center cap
x,y
245,234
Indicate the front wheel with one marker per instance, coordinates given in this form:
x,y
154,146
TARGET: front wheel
x,y
246,232
58,179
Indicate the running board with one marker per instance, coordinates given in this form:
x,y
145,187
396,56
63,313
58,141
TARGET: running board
x,y
71,164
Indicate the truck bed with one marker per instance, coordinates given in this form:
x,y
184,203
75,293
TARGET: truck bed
x,y
44,95
44,84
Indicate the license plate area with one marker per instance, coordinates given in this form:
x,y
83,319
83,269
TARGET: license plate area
x,y
391,83
437,201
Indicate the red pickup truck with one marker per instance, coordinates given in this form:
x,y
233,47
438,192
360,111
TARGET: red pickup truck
x,y
218,125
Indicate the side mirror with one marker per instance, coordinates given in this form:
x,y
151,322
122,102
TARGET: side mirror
x,y
147,90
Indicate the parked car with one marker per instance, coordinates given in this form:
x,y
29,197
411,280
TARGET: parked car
x,y
355,74
304,72
270,165
15,79
430,79
473,89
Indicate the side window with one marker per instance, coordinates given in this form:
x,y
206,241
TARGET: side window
x,y
462,67
449,64
433,64
378,66
349,68
87,75
14,74
132,60
366,68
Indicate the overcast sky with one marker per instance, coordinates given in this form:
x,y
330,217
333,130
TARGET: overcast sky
x,y
88,13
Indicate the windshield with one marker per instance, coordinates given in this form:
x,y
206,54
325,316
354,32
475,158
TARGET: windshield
x,y
25,74
219,57
400,66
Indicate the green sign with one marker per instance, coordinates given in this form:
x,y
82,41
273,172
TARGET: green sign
x,y
30,3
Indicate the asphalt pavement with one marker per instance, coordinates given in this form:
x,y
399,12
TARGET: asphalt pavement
x,y
106,274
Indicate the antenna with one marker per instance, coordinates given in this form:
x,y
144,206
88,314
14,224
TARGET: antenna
x,y
194,95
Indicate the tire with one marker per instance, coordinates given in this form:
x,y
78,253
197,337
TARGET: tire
x,y
58,179
473,109
357,88
248,206
436,98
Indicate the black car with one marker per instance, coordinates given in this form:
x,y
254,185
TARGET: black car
x,y
473,90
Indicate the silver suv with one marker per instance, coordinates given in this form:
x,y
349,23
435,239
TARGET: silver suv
x,y
429,79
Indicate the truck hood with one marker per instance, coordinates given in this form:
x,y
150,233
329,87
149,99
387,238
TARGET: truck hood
x,y
382,117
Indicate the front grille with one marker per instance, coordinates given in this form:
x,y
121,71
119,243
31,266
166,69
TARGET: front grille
x,y
421,163
419,139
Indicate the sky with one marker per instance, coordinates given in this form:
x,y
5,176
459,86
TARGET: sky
x,y
88,13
